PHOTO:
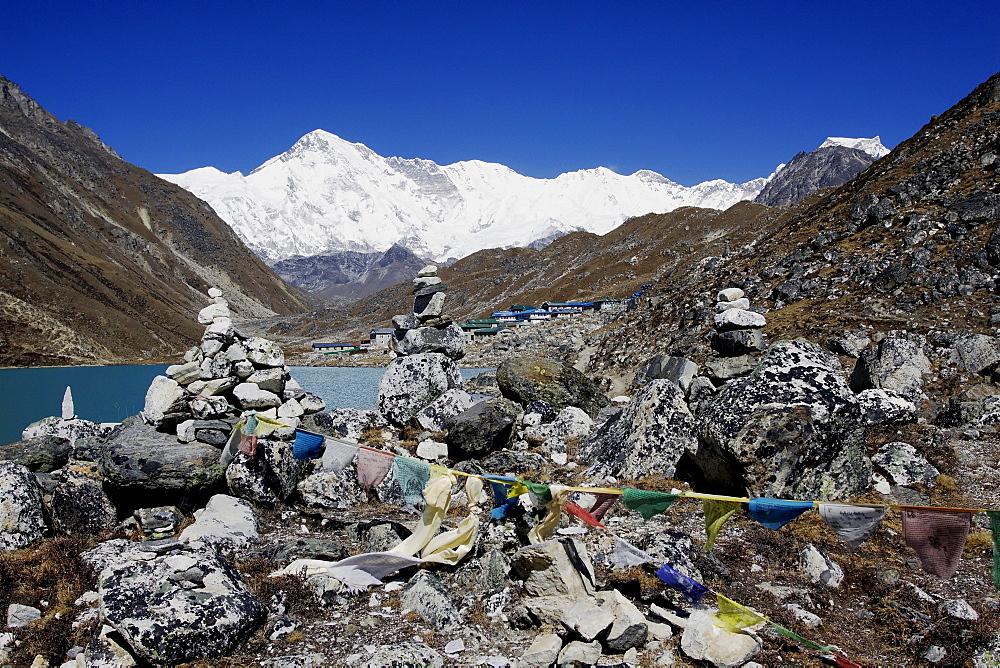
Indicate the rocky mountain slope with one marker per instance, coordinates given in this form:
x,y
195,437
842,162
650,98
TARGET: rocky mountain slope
x,y
326,194
350,273
99,258
807,172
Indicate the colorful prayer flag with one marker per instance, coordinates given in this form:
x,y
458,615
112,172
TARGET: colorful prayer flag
x,y
338,455
646,503
826,649
732,616
994,516
626,555
691,588
307,445
373,466
853,523
717,512
776,513
412,475
937,536
503,504
580,513
603,504
540,490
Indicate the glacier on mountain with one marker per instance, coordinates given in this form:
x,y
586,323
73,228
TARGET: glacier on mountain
x,y
326,194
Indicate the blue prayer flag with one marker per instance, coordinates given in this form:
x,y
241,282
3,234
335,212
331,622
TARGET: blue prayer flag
x,y
502,505
693,589
776,513
307,445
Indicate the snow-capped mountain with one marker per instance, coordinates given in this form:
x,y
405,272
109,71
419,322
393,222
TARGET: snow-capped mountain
x,y
872,147
326,194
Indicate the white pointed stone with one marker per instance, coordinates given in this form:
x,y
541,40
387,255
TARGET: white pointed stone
x,y
67,405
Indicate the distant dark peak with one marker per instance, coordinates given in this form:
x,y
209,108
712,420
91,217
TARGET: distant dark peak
x,y
15,99
90,135
397,253
808,172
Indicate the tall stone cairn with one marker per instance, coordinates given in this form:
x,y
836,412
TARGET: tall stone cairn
x,y
201,398
736,327
427,329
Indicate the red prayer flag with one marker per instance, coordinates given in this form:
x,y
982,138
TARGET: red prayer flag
x,y
578,512
372,466
603,504
937,536
843,662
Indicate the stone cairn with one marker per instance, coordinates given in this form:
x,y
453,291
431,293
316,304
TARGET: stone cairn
x,y
425,346
200,400
736,327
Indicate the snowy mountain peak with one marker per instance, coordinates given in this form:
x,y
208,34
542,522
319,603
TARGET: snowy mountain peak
x,y
326,194
872,146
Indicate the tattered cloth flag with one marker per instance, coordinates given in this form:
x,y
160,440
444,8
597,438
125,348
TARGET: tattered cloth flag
x,y
581,514
544,528
853,523
937,536
732,616
603,504
307,445
626,555
338,455
502,503
844,662
692,589
826,649
994,516
373,466
411,475
540,490
776,513
647,504
717,512
357,572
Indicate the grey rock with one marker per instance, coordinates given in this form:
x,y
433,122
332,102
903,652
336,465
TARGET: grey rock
x,y
935,653
429,290
346,423
179,607
629,628
251,397
649,435
677,370
578,653
702,640
206,408
264,353
184,374
724,369
22,518
336,490
20,615
791,429
484,428
78,503
449,341
738,341
587,619
976,353
429,306
819,567
426,595
42,454
435,416
70,429
542,653
885,407
958,608
735,318
729,294
225,523
895,363
405,322
527,379
404,655
427,270
741,303
105,651
287,551
163,396
903,464
804,616
850,343
137,456
159,522
555,567
411,383
271,380
311,660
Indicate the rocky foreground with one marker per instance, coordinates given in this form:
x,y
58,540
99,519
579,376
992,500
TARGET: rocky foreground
x,y
177,537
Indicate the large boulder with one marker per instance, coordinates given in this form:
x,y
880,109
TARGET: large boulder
x,y
449,340
527,379
410,383
68,428
22,519
791,429
225,523
486,427
78,503
41,454
137,457
178,605
346,423
895,363
435,416
648,436
976,353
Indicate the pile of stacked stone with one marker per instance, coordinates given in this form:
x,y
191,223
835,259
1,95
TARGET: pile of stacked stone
x,y
201,399
425,346
736,328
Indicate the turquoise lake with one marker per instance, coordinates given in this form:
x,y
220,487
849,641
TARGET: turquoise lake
x,y
113,393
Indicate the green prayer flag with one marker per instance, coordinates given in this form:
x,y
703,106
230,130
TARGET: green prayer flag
x,y
994,516
646,503
540,490
716,514
826,649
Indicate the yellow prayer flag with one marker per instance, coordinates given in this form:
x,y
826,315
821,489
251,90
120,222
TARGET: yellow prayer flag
x,y
732,616
716,514
517,489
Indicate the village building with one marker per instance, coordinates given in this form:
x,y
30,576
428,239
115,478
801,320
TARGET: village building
x,y
380,337
327,348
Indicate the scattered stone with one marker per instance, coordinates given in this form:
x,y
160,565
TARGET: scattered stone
x,y
404,655
588,619
527,379
484,428
22,519
819,567
895,363
225,523
426,595
885,406
577,653
21,615
160,522
78,503
807,618
958,608
542,653
702,640
904,464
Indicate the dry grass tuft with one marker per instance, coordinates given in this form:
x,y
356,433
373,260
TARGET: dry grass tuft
x,y
372,436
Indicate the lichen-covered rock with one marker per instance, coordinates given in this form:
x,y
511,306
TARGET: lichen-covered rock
x,y
264,353
138,457
678,370
163,396
435,416
410,383
336,490
22,519
179,606
648,436
885,406
527,379
449,341
895,363
225,523
976,353
346,423
427,596
404,655
78,502
42,454
484,428
902,463
791,429
68,428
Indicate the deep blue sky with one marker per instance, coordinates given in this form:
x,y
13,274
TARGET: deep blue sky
x,y
693,90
